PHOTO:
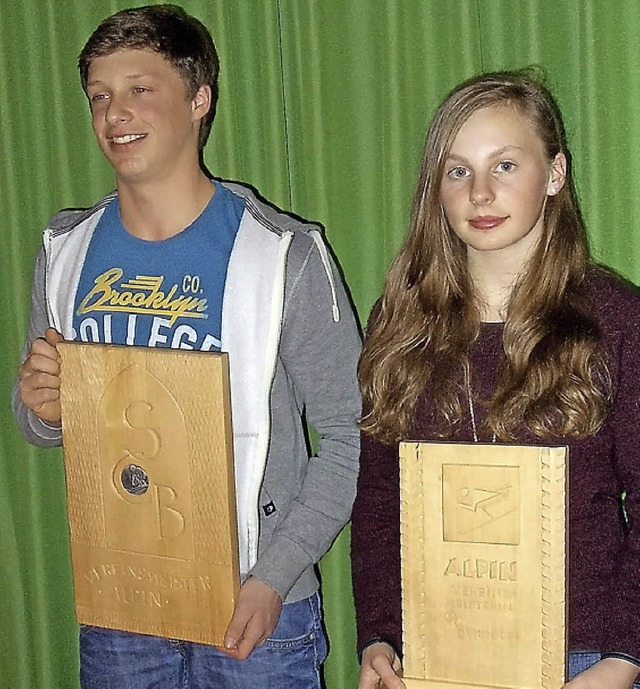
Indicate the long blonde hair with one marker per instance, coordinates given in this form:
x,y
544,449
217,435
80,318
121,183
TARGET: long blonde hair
x,y
553,380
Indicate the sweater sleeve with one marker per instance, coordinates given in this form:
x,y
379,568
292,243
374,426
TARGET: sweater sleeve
x,y
319,351
33,428
375,546
621,633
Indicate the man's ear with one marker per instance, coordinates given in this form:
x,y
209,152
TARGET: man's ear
x,y
201,102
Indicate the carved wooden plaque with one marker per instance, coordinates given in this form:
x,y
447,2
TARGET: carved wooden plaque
x,y
483,566
151,494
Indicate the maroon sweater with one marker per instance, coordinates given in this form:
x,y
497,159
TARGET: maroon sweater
x,y
604,551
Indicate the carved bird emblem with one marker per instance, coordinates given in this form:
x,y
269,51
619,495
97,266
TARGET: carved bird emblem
x,y
479,499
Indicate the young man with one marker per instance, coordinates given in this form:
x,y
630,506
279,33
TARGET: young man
x,y
272,298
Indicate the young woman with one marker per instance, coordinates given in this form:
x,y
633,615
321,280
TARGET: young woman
x,y
495,326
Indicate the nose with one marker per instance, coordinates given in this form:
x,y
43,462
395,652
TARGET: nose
x,y
481,192
118,111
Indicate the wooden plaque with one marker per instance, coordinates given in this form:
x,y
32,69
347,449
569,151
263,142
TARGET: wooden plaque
x,y
150,487
483,566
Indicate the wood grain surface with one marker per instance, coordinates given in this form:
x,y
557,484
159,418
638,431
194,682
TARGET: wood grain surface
x,y
148,454
483,553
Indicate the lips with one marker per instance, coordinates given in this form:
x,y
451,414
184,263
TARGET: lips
x,y
486,222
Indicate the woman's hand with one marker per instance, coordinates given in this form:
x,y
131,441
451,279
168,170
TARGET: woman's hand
x,y
608,673
380,668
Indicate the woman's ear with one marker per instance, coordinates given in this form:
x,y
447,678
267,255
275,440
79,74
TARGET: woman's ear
x,y
557,175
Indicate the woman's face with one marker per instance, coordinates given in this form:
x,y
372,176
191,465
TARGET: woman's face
x,y
496,181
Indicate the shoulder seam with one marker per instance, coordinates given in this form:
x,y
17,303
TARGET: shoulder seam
x,y
75,216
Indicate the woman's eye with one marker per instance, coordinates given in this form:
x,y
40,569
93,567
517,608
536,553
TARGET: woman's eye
x,y
98,97
139,89
458,172
506,166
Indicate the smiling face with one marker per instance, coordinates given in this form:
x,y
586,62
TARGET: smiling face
x,y
144,121
496,182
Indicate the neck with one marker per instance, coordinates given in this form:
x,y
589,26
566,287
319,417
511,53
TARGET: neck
x,y
158,210
493,276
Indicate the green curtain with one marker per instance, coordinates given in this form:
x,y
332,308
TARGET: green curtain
x,y
323,108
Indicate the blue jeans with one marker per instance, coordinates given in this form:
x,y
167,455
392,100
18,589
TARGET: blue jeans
x,y
289,659
581,661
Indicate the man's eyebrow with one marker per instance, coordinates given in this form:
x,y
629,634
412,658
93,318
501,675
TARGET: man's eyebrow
x,y
132,77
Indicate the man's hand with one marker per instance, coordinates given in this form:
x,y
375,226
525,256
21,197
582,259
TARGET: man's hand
x,y
380,668
39,377
608,673
254,619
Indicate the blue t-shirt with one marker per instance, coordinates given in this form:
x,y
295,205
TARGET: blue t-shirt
x,y
164,293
